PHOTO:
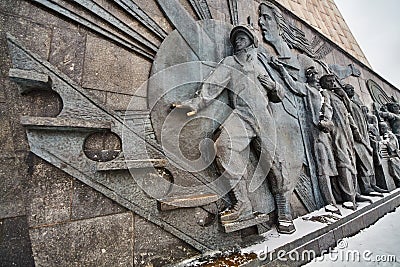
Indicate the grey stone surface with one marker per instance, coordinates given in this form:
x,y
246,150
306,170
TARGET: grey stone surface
x,y
15,244
34,36
29,80
12,187
68,52
48,195
118,74
101,241
154,247
54,199
31,122
327,241
6,140
88,203
41,104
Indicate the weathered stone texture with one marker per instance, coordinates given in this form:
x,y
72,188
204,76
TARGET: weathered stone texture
x,y
155,247
67,52
34,36
15,247
101,241
110,68
49,194
325,17
12,188
88,203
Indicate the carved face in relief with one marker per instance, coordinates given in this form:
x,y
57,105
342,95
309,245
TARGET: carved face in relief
x,y
349,89
394,108
312,75
242,41
383,127
268,23
328,82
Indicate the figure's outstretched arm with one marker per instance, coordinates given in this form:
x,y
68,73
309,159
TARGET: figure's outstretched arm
x,y
210,89
297,88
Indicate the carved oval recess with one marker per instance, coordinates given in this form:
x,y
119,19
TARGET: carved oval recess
x,y
41,103
102,146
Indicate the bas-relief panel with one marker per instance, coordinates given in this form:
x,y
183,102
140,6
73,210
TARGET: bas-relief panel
x,y
279,61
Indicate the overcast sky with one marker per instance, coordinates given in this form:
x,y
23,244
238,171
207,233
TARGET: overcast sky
x,y
376,26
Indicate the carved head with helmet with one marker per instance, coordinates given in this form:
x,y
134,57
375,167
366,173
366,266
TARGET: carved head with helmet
x,y
242,37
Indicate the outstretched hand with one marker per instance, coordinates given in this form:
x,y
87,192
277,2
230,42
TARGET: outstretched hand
x,y
266,82
188,104
276,63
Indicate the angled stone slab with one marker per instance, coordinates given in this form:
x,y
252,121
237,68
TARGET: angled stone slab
x,y
236,226
29,80
195,200
127,164
64,123
64,150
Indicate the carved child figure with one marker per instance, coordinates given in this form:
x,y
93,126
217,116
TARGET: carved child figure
x,y
393,116
390,140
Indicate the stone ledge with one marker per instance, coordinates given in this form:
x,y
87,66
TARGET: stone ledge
x,y
48,123
318,236
29,80
315,236
116,165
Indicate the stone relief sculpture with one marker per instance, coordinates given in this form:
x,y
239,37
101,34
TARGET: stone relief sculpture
x,y
363,150
292,123
252,89
389,140
322,149
343,133
304,134
392,115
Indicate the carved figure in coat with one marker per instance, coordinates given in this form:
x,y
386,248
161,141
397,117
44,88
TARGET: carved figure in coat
x,y
342,140
363,149
319,104
284,69
251,89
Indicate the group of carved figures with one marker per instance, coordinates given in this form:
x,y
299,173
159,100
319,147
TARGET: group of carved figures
x,y
291,123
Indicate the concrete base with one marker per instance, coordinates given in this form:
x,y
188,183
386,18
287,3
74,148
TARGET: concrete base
x,y
316,236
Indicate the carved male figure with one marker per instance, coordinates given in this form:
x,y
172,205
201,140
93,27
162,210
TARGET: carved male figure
x,y
293,138
250,123
342,139
363,150
319,104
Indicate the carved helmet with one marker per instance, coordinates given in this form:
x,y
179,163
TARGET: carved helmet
x,y
247,29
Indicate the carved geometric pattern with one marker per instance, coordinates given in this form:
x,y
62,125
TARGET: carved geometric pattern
x,y
201,8
233,10
97,18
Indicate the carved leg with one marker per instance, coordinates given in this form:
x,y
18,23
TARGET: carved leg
x,y
285,222
233,149
346,185
242,210
326,189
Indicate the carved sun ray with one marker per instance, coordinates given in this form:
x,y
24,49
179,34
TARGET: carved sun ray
x,y
97,18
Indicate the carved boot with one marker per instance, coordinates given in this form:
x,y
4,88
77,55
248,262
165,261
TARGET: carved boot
x,y
285,222
379,190
242,210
